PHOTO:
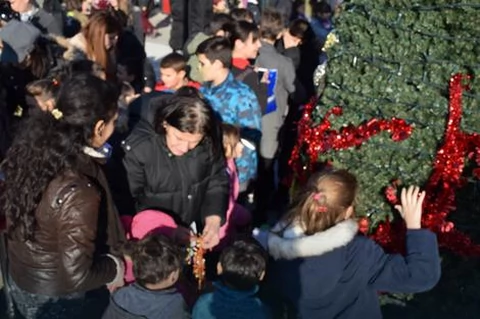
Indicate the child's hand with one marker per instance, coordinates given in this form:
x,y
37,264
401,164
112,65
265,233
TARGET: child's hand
x,y
411,208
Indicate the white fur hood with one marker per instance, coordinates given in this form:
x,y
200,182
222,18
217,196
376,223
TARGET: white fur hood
x,y
293,243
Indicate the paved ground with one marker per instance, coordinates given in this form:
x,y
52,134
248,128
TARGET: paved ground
x,y
157,47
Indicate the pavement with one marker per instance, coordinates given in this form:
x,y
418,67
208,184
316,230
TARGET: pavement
x,y
157,47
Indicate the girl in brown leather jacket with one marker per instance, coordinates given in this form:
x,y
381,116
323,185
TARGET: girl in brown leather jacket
x,y
62,224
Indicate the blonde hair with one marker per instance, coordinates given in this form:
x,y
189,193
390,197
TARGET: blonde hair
x,y
231,137
324,201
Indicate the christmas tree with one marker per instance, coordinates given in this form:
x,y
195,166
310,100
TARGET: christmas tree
x,y
389,75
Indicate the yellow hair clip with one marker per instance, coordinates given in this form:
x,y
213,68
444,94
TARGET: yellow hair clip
x,y
57,114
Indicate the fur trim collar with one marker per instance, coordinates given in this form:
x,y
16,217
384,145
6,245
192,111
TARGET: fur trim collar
x,y
93,152
294,244
74,47
78,41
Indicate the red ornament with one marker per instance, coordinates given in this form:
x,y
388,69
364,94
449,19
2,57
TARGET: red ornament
x,y
363,225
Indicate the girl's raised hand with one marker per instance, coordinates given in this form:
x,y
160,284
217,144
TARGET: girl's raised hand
x,y
411,208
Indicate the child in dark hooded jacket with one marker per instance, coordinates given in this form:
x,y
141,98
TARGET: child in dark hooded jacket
x,y
323,268
157,263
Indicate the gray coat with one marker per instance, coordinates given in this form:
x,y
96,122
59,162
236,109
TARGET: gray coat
x,y
47,22
270,58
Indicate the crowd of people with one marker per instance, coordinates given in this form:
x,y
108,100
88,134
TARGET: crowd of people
x,y
112,179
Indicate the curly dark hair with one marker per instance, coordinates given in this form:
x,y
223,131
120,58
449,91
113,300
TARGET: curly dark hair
x,y
154,258
45,147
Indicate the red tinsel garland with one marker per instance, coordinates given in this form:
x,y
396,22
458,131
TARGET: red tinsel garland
x,y
321,139
445,179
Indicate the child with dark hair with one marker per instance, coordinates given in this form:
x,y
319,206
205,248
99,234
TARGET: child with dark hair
x,y
233,101
42,93
298,10
242,14
220,24
130,70
237,217
241,269
322,23
253,7
245,41
157,263
292,37
174,74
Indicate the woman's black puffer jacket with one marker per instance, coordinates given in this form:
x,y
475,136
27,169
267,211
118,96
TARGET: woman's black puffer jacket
x,y
189,187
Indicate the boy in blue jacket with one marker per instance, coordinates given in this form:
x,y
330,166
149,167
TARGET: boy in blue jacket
x,y
233,101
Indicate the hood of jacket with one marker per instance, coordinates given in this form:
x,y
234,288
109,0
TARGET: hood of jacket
x,y
145,108
290,242
311,267
134,301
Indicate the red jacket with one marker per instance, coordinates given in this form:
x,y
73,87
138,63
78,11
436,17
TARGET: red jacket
x,y
162,88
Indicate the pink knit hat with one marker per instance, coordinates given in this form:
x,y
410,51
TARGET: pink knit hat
x,y
148,220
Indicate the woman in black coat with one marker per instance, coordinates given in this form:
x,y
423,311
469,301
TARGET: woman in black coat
x,y
175,163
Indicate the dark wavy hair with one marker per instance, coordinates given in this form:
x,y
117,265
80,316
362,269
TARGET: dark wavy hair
x,y
46,147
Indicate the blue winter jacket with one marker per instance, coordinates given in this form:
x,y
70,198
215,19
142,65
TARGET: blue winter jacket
x,y
338,273
237,104
226,303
